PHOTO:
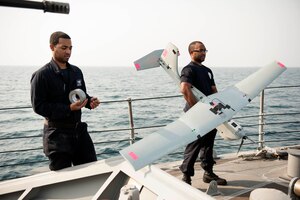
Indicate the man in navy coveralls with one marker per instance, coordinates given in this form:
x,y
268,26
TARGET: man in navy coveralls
x,y
66,141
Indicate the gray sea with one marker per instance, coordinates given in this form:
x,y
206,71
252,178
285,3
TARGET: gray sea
x,y
21,129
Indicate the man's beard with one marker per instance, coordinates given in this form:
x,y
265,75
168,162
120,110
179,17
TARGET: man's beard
x,y
199,59
63,60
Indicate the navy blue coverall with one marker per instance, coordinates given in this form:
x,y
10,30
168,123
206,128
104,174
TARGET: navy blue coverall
x,y
65,139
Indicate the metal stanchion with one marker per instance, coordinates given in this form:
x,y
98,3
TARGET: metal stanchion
x,y
261,121
132,135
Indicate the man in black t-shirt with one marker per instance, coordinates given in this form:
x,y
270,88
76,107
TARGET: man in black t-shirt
x,y
197,75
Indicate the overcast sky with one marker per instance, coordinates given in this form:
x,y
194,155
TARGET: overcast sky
x,y
238,33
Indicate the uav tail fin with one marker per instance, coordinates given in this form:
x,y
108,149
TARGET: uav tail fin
x,y
150,60
166,58
169,60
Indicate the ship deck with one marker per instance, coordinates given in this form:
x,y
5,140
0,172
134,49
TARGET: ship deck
x,y
243,174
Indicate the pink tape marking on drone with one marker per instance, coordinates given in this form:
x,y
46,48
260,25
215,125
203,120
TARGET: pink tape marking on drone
x,y
137,66
133,155
281,65
178,53
213,103
165,52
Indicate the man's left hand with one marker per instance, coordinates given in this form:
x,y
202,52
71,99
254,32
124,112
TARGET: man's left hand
x,y
94,102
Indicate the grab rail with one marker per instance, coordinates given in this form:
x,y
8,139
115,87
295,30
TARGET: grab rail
x,y
261,124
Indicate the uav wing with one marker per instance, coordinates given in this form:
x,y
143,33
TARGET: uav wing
x,y
201,118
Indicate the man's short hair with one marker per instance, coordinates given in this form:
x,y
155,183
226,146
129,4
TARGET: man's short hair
x,y
54,38
192,46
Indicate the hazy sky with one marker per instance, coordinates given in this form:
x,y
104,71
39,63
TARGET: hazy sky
x,y
117,32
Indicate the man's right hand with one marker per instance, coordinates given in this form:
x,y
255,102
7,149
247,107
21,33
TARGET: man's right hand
x,y
77,105
186,90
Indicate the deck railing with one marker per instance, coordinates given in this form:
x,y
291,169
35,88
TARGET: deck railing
x,y
261,142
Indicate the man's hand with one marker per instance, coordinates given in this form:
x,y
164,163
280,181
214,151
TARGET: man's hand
x,y
94,102
186,90
77,105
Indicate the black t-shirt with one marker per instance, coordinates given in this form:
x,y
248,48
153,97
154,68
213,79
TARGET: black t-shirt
x,y
199,76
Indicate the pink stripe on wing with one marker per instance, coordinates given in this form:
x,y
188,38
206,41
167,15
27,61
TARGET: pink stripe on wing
x,y
137,66
133,155
281,65
165,53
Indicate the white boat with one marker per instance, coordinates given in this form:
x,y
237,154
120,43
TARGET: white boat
x,y
115,179
275,170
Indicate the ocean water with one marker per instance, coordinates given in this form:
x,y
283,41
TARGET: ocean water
x,y
113,86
